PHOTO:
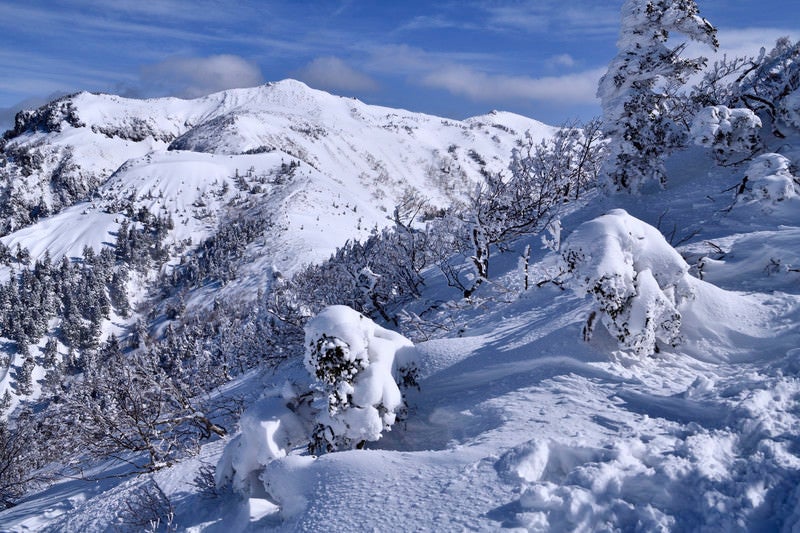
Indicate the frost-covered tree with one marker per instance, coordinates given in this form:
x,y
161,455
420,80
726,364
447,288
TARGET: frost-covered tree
x,y
17,459
726,131
637,93
130,410
772,88
542,177
637,280
25,376
354,363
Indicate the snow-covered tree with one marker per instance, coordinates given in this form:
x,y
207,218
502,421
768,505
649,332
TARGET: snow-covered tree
x,y
352,398
767,181
640,115
541,178
17,459
772,87
130,410
637,280
25,376
726,131
354,363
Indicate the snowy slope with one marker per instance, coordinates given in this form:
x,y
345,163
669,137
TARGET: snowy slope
x,y
318,168
518,424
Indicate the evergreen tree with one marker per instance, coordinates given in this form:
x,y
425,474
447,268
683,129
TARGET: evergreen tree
x,y
638,92
50,353
25,376
122,248
117,291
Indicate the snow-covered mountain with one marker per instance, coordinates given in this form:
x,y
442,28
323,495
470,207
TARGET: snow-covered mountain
x,y
639,372
326,168
304,170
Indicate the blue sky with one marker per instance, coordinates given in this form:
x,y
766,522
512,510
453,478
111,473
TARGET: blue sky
x,y
540,58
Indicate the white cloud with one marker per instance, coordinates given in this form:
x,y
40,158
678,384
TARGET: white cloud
x,y
578,88
332,73
191,77
454,73
579,17
436,22
741,42
561,60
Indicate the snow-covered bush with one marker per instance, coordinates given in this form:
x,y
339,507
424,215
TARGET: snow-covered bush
x,y
789,110
768,180
353,361
356,366
636,278
268,431
726,131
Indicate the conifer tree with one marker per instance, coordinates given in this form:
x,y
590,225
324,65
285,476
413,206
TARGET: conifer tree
x,y
638,91
25,376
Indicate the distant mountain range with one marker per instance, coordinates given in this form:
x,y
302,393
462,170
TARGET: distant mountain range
x,y
67,166
288,172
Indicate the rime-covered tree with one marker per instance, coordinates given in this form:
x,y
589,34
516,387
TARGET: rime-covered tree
x,y
25,376
541,178
117,291
50,353
128,404
638,92
17,459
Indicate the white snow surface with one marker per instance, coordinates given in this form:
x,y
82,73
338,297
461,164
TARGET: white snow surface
x,y
520,425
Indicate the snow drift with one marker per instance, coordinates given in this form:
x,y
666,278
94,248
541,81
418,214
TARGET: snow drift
x,y
354,397
636,278
646,299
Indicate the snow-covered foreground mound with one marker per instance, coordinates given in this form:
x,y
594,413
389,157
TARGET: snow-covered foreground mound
x,y
352,399
647,301
518,423
517,426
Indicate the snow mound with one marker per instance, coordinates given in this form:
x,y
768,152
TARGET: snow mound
x,y
646,299
268,430
354,362
725,130
354,398
770,181
636,278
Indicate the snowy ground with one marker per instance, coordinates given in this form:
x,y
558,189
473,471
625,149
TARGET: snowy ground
x,y
519,424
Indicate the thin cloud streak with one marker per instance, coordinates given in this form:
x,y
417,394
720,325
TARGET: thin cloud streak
x,y
192,77
587,18
435,22
441,71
